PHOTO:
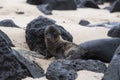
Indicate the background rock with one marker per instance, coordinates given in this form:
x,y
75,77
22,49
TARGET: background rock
x,y
90,65
99,1
114,32
6,38
36,2
66,69
57,5
87,4
58,70
27,58
10,67
8,23
84,22
100,49
112,73
115,7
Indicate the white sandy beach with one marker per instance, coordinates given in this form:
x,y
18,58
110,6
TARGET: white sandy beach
x,y
68,19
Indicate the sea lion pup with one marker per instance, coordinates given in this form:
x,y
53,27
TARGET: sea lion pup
x,y
56,46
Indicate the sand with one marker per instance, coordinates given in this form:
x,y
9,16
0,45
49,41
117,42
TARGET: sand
x,y
83,75
68,19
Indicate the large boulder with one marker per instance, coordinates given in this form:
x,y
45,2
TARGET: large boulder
x,y
36,2
100,49
35,34
57,5
10,67
115,7
87,4
112,1
107,0
99,1
113,70
114,32
16,65
67,69
62,4
27,58
58,70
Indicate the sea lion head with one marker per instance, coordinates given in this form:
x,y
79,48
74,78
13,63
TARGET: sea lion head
x,y
52,33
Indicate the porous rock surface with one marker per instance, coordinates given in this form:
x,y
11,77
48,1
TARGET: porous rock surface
x,y
10,68
67,69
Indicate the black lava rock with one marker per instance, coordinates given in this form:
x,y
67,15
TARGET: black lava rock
x,y
58,70
78,2
84,22
45,9
114,32
63,4
106,0
100,49
57,5
8,23
6,38
115,7
20,12
87,4
99,1
112,1
35,34
36,2
91,65
15,65
26,58
109,0
113,70
67,69
10,68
